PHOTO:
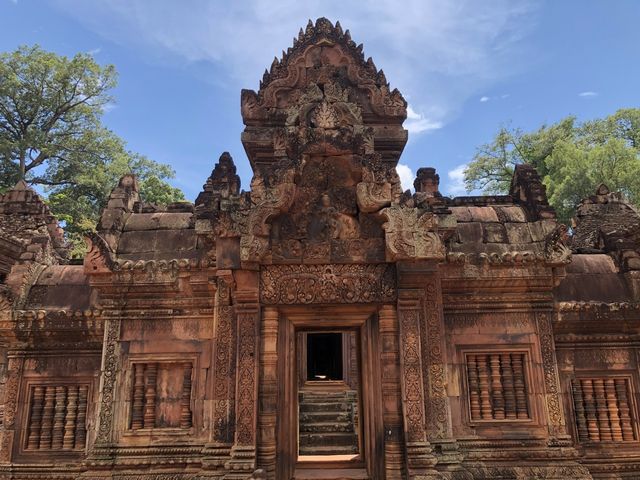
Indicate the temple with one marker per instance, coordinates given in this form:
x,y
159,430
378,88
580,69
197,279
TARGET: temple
x,y
324,324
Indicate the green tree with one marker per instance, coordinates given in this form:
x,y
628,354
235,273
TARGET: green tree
x,y
572,158
51,135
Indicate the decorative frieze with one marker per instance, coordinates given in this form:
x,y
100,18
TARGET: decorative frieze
x,y
57,417
497,386
602,408
308,284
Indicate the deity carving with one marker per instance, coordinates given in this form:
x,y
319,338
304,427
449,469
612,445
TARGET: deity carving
x,y
411,234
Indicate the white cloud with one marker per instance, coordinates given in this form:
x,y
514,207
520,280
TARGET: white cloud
x,y
94,51
437,53
484,99
588,94
456,186
406,176
109,106
418,123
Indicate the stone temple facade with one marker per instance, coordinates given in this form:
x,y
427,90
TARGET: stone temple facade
x,y
325,324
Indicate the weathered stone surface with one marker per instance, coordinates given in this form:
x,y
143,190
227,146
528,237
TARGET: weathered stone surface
x,y
473,344
158,221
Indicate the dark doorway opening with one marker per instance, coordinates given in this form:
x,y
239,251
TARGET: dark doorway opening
x,y
324,356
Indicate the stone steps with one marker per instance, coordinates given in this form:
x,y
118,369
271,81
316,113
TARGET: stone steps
x,y
334,439
331,474
327,427
322,417
327,423
324,407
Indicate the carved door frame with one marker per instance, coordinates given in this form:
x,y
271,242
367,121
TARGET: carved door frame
x,y
361,317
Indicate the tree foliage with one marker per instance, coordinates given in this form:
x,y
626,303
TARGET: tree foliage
x,y
572,158
51,135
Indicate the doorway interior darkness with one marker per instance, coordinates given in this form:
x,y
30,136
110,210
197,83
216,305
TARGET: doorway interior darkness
x,y
324,356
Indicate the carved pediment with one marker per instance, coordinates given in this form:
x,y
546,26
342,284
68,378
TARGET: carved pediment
x,y
322,97
323,135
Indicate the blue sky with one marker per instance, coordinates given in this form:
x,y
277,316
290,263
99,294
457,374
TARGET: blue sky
x,y
465,67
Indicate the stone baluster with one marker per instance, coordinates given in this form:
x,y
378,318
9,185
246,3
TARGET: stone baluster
x,y
623,405
68,440
185,399
58,418
149,418
497,397
522,410
137,407
508,387
601,410
81,420
483,383
612,408
47,417
578,402
590,409
36,418
474,398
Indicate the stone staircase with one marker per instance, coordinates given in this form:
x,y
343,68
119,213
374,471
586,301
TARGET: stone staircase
x,y
328,423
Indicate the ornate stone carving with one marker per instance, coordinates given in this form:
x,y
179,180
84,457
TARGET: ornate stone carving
x,y
272,200
556,251
434,363
380,186
411,234
552,395
99,257
410,352
224,373
323,120
110,368
418,449
307,284
15,368
247,381
244,450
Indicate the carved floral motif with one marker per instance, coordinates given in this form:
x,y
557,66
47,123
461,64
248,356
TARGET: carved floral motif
x,y
434,364
110,368
412,381
306,284
246,403
545,332
224,374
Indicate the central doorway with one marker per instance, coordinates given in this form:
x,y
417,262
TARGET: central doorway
x,y
329,404
328,396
